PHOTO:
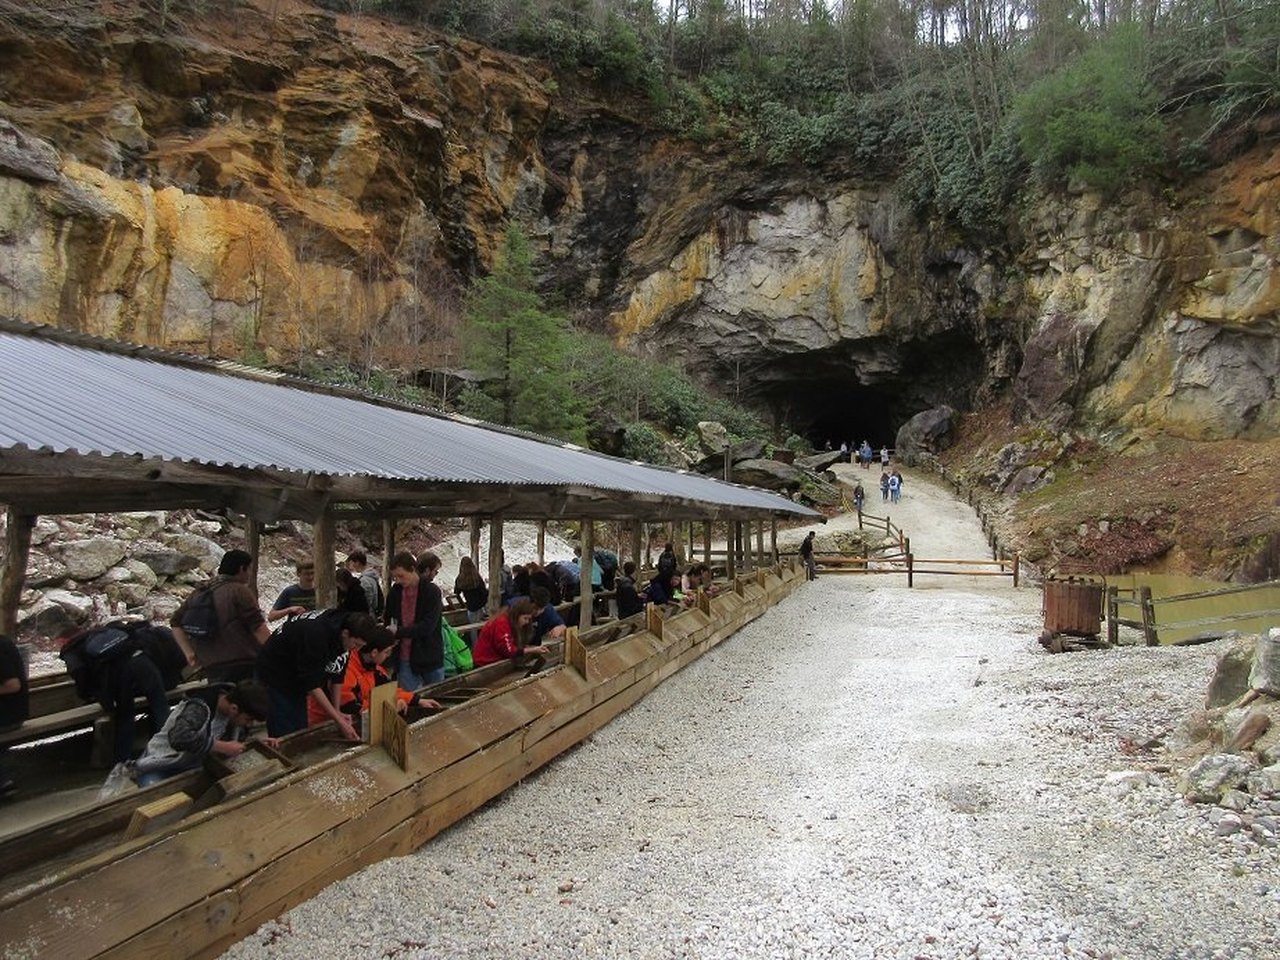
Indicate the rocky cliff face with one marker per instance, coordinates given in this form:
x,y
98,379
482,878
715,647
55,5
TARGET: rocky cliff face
x,y
272,178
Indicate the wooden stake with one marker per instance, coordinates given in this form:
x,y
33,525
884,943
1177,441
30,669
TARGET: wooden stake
x,y
1113,615
17,549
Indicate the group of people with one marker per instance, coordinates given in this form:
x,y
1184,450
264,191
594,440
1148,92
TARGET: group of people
x,y
319,664
863,454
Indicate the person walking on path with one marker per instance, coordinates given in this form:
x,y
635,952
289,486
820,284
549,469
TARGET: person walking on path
x,y
884,486
895,488
859,496
884,457
806,555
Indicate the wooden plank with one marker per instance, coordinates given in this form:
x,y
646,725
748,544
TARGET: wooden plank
x,y
158,813
207,921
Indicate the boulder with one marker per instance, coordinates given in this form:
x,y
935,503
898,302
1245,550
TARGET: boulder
x,y
204,551
1231,675
1265,782
926,432
769,474
1265,673
120,574
746,450
46,618
1028,478
166,563
130,593
27,157
820,461
91,558
44,531
143,524
44,571
142,573
1210,777
712,437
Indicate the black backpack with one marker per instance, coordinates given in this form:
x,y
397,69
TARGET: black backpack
x,y
200,614
90,653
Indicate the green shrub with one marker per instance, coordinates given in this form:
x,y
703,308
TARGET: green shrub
x,y
1094,119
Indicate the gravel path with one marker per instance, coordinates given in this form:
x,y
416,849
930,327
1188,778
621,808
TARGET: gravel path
x,y
864,772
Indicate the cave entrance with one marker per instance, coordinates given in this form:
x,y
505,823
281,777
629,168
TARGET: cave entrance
x,y
831,412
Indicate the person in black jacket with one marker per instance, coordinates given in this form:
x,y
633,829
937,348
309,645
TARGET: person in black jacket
x,y
629,601
413,610
300,657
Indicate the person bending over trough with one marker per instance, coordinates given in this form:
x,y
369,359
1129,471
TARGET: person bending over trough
x,y
503,636
233,709
300,657
364,670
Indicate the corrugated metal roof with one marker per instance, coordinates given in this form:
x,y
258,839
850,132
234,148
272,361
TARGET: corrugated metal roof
x,y
69,397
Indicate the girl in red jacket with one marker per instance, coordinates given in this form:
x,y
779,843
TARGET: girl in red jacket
x,y
503,636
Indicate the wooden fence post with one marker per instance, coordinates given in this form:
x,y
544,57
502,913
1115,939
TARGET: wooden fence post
x,y
1113,616
910,570
1016,561
1148,617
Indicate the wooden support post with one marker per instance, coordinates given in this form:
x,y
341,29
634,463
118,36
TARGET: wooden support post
x,y
475,540
773,540
17,549
906,544
911,579
322,554
637,529
1016,561
648,548
575,654
588,540
1113,616
495,563
542,542
744,548
706,543
253,543
677,541
1149,633
388,551
731,551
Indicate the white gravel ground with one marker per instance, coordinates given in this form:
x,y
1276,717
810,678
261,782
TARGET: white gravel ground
x,y
864,772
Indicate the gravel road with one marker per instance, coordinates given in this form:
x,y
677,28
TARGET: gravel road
x,y
866,771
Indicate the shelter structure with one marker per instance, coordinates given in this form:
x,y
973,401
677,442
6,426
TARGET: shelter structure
x,y
96,425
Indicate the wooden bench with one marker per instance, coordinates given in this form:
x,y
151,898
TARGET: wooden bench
x,y
82,716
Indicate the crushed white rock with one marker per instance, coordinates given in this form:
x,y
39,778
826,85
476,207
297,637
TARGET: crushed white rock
x,y
866,771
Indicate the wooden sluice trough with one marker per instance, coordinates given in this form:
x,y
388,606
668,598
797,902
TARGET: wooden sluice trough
x,y
193,887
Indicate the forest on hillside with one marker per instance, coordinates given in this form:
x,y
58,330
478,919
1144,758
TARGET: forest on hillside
x,y
960,101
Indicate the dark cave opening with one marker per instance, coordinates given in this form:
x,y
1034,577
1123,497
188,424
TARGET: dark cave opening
x,y
835,411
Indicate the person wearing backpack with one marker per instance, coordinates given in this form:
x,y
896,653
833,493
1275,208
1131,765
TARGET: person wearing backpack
x,y
212,720
358,564
220,625
107,664
667,562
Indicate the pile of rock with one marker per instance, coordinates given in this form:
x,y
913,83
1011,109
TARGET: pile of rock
x,y
806,479
1239,769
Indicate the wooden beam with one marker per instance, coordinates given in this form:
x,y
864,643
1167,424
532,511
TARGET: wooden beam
x,y
17,550
495,562
588,541
322,555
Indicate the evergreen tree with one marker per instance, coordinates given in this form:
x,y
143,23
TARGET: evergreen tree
x,y
519,348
